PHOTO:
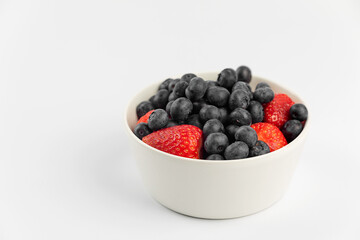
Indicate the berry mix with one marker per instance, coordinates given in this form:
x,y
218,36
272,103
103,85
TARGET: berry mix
x,y
218,120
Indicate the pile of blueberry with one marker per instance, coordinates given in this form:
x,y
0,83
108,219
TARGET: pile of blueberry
x,y
223,109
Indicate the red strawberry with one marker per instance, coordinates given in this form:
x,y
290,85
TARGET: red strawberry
x,y
145,117
181,140
270,134
277,111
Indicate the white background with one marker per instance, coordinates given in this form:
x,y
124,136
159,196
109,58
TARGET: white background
x,y
68,68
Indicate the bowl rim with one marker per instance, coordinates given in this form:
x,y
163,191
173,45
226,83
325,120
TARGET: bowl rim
x,y
273,154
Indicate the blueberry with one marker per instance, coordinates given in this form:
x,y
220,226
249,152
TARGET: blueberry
x,y
243,74
247,135
215,156
241,85
179,88
244,86
261,85
194,119
212,83
151,100
171,123
172,96
240,117
187,77
209,112
172,84
230,131
299,112
239,98
256,110
199,105
143,107
236,150
227,78
216,143
161,98
224,115
180,109
212,126
260,148
165,84
292,129
217,96
264,95
141,130
158,119
168,106
196,89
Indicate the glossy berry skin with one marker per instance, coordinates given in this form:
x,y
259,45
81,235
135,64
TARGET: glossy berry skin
x,y
227,78
145,117
198,105
277,111
230,131
158,119
216,143
264,95
224,115
194,120
292,129
261,85
217,96
171,123
240,117
143,107
181,140
187,77
196,89
168,106
215,156
165,84
172,84
242,85
256,110
270,134
239,98
209,112
236,150
180,87
141,130
212,126
212,83
161,98
243,74
299,112
247,135
181,109
260,148
172,97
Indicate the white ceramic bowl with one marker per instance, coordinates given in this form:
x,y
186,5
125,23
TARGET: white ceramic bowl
x,y
214,189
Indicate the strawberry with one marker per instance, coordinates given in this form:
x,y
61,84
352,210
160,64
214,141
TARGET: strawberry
x,y
181,140
145,118
270,134
277,111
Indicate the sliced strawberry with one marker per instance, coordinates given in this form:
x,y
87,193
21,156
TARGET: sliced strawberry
x,y
277,111
270,134
181,140
145,118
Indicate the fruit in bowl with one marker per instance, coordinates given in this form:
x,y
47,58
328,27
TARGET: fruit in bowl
x,y
199,157
196,118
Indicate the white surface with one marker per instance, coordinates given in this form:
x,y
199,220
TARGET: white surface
x,y
67,68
